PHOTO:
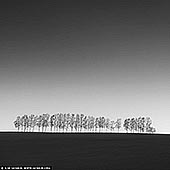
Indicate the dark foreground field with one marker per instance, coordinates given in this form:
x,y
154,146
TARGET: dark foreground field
x,y
86,151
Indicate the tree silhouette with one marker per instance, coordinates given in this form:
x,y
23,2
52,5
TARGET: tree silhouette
x,y
25,122
72,122
126,124
31,122
68,118
17,123
39,122
81,121
118,124
112,125
52,122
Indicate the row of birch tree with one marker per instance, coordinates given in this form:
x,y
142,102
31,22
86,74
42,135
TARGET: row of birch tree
x,y
80,123
140,124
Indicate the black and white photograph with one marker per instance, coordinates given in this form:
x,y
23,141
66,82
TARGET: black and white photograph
x,y
85,84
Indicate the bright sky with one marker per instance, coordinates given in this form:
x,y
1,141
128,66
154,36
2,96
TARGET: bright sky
x,y
98,58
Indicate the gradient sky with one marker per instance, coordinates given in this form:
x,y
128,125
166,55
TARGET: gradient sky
x,y
109,58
